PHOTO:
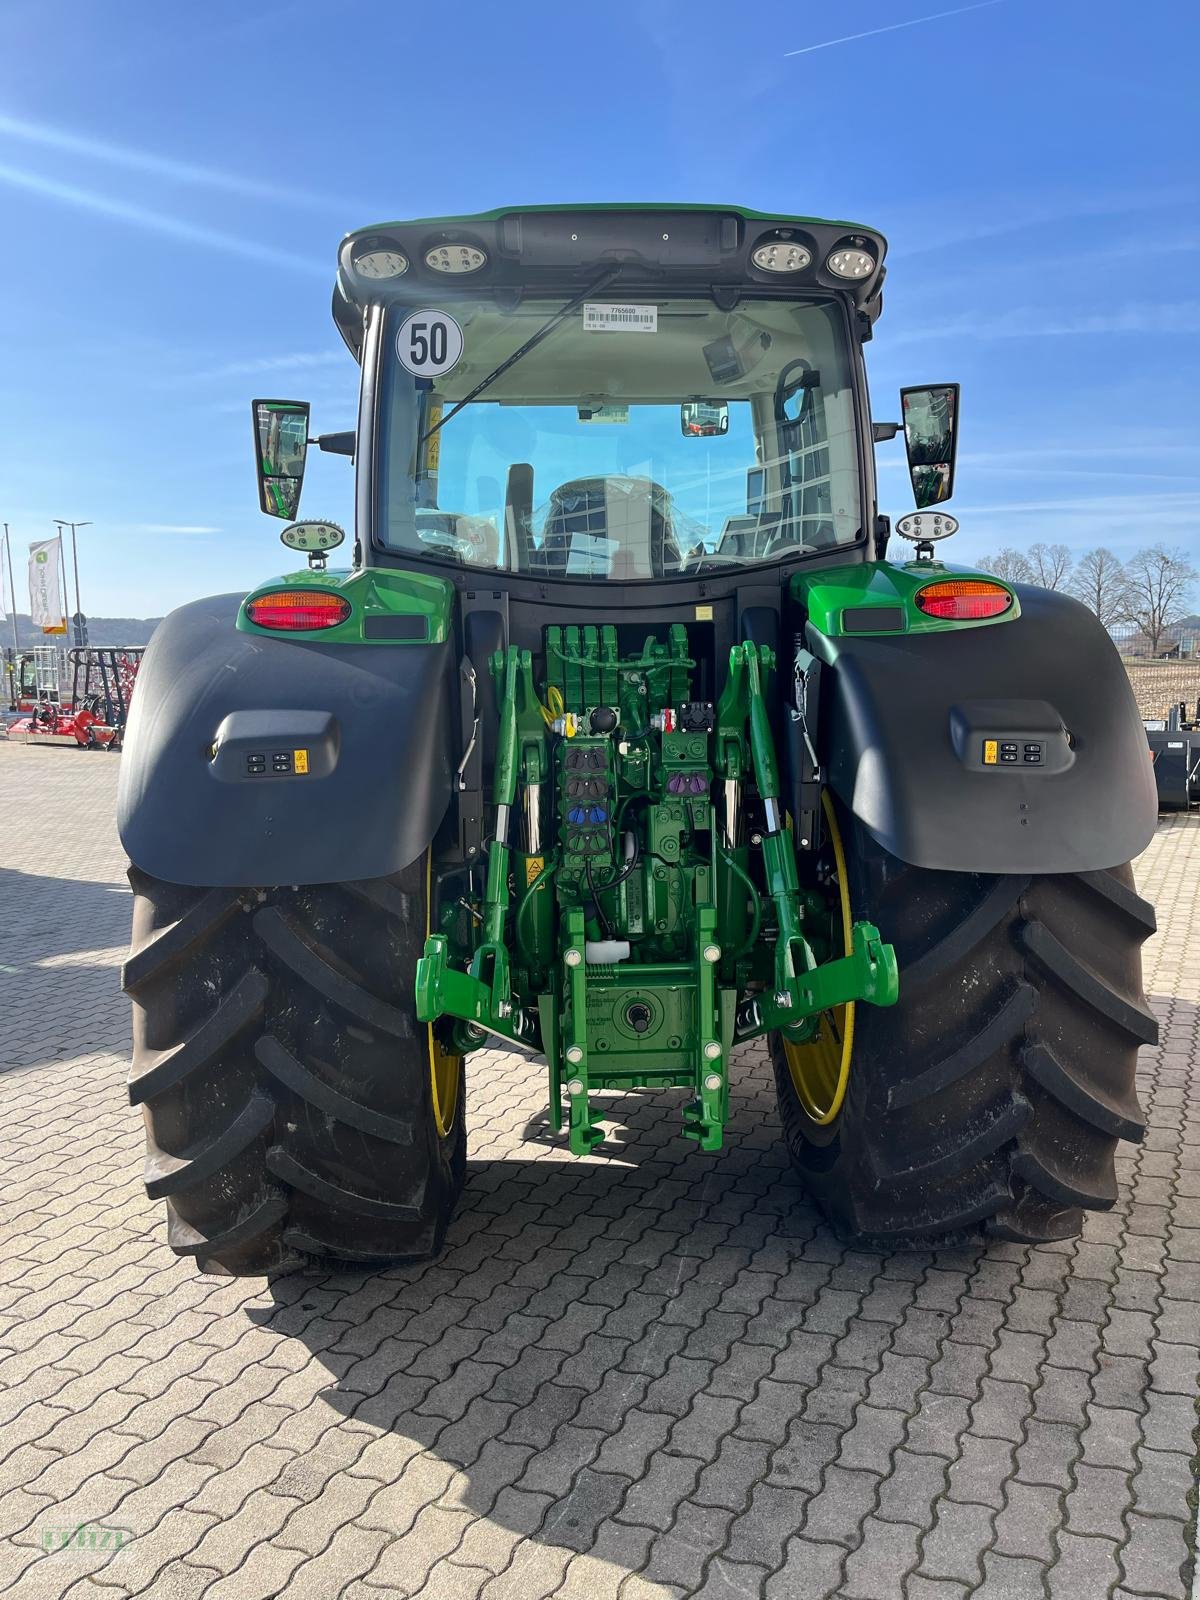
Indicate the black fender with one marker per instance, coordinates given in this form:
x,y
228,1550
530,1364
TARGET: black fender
x,y
903,724
214,705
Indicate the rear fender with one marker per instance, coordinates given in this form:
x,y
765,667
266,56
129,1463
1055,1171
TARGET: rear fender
x,y
366,731
906,721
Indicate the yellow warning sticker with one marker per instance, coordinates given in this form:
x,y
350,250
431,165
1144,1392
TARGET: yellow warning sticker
x,y
300,760
704,614
991,752
533,865
433,441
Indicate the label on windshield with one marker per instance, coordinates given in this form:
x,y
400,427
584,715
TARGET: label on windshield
x,y
590,555
604,413
599,318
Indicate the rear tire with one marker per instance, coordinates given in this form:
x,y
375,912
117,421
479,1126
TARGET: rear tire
x,y
992,1096
285,1080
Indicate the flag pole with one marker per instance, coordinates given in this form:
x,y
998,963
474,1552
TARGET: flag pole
x,y
12,588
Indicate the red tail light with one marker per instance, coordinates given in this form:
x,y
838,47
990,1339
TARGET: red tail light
x,y
963,599
297,610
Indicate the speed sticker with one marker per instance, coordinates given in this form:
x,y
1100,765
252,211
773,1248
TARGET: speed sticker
x,y
429,343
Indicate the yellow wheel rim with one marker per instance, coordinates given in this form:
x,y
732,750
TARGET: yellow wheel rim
x,y
820,1069
445,1070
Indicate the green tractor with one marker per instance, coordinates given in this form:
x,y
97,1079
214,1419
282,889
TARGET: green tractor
x,y
622,742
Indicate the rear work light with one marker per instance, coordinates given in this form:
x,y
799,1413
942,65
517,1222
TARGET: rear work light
x,y
963,599
298,610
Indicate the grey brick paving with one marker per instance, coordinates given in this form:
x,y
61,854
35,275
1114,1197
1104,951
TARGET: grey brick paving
x,y
648,1376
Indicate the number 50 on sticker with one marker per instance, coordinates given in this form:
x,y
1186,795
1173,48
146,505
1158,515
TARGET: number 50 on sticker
x,y
429,343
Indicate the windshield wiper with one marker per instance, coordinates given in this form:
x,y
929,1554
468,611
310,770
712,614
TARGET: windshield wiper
x,y
534,339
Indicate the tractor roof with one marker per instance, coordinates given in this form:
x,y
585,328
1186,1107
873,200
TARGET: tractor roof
x,y
554,250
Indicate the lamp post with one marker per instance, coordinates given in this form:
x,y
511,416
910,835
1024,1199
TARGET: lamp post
x,y
79,621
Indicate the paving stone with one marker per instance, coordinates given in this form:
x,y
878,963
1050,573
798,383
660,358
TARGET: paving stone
x,y
1047,1454
887,1552
1111,1436
1009,1578
680,1555
952,1547
1161,1484
838,1511
909,1493
917,1587
759,1535
810,1572
1085,1566
1029,1521
1152,1561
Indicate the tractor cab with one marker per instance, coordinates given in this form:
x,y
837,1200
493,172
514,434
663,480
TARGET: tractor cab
x,y
607,395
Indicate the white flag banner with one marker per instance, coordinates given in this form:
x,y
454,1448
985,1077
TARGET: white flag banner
x,y
45,586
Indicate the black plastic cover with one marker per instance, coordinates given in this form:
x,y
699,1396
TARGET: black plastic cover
x,y
210,790
894,746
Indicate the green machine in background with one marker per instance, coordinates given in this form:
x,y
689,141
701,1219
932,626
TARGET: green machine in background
x,y
626,740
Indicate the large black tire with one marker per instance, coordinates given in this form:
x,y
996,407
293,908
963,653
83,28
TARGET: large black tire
x,y
284,1077
993,1095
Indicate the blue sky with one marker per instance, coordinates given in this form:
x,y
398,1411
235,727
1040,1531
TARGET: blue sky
x,y
174,182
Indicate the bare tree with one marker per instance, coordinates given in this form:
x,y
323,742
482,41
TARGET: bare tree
x,y
1051,565
1159,583
1013,566
1101,582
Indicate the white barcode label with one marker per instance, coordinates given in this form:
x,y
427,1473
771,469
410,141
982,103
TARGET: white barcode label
x,y
620,319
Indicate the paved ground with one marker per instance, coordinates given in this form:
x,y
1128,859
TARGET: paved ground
x,y
652,1375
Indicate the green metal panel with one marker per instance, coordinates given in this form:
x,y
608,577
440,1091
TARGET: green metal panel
x,y
671,205
372,592
826,594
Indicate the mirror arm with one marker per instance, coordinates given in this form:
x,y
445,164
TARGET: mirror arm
x,y
338,444
882,431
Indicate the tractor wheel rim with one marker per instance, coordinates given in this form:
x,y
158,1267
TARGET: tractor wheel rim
x,y
820,1069
445,1070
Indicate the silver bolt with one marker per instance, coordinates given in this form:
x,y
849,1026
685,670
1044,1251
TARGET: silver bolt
x,y
575,1086
712,952
574,1054
713,1082
573,957
504,1008
574,238
783,998
666,235
756,838
712,1050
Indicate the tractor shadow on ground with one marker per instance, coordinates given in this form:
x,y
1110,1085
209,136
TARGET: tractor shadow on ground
x,y
574,1299
582,1309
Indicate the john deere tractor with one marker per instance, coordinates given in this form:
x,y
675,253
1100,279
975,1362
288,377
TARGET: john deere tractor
x,y
628,737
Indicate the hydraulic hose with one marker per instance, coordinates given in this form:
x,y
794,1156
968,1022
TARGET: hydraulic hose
x,y
739,871
543,876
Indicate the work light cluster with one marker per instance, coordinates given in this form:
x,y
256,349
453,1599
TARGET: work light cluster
x,y
781,253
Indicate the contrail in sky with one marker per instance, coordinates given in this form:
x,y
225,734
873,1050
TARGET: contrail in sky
x,y
156,221
120,155
892,27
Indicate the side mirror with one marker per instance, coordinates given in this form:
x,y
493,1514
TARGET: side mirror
x,y
703,419
280,446
931,439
